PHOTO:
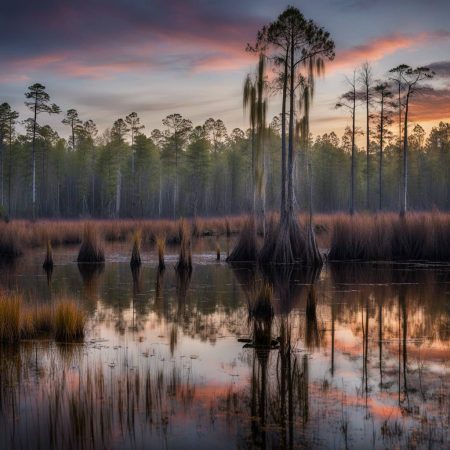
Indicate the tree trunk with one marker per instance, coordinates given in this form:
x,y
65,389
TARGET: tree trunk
x,y
380,174
34,160
352,193
283,141
367,149
118,189
9,167
404,207
290,199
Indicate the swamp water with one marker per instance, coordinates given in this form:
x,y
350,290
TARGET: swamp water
x,y
356,356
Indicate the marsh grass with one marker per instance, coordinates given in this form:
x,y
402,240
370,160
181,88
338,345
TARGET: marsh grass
x,y
48,261
161,248
9,318
246,248
217,251
386,237
185,258
136,252
69,322
91,250
64,322
260,302
10,243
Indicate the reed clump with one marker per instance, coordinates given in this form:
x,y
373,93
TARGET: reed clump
x,y
246,248
260,303
91,250
69,322
9,318
64,322
10,244
388,237
136,252
217,252
161,248
185,258
48,261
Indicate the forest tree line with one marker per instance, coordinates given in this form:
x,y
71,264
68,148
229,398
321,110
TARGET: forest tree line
x,y
186,170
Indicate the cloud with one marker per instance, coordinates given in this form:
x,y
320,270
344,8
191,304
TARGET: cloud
x,y
441,69
431,104
101,38
380,47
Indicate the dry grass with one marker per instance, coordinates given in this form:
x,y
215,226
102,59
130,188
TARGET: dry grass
x,y
136,252
91,250
9,318
246,248
10,243
48,261
260,302
64,322
185,258
70,232
365,236
161,248
69,321
418,236
217,251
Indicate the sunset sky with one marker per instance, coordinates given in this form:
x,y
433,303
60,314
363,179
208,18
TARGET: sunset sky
x,y
107,58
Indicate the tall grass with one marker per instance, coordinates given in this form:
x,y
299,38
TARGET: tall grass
x,y
9,318
10,243
136,252
417,236
185,258
91,250
69,322
246,248
64,322
260,302
161,247
70,232
48,261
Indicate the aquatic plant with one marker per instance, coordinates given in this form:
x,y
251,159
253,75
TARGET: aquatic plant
x,y
386,237
246,248
91,250
64,322
69,321
260,303
136,252
48,261
217,251
10,245
185,257
9,318
161,247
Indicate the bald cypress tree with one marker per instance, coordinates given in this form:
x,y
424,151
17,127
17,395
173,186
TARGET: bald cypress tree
x,y
297,47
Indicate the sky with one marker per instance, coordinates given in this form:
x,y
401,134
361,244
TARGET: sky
x,y
107,58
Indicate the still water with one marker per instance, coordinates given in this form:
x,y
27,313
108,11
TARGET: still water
x,y
356,356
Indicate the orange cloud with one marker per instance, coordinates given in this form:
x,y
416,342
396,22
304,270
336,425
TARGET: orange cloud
x,y
431,105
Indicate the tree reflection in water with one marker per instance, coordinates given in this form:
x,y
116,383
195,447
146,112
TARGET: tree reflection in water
x,y
162,358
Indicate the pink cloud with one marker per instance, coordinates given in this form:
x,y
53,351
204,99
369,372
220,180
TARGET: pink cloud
x,y
378,48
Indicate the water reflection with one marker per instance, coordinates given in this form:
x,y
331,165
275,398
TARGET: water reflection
x,y
354,356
